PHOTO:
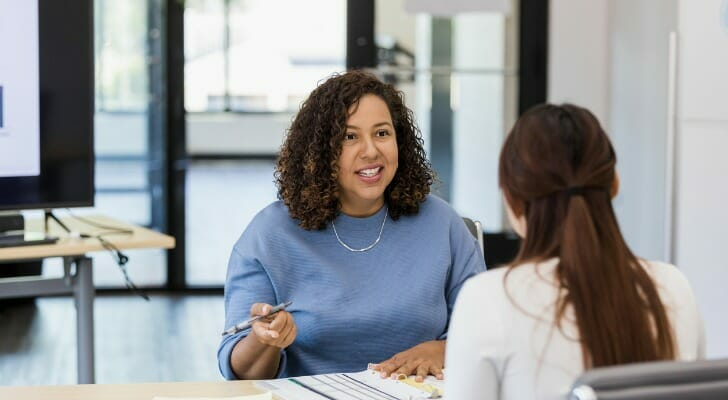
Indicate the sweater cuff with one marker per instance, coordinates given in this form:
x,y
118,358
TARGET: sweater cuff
x,y
282,365
226,350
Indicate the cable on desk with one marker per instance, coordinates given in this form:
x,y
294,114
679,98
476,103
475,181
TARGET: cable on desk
x,y
97,225
120,258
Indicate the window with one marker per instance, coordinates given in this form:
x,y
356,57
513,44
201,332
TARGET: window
x,y
260,55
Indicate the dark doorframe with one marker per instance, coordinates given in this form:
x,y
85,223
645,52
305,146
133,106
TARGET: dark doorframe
x,y
533,41
361,51
175,146
441,114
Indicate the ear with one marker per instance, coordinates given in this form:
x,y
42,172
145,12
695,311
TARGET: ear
x,y
615,185
516,216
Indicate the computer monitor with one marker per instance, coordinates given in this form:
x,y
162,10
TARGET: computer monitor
x,y
46,104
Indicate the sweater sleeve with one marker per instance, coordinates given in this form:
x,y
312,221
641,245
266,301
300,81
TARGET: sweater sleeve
x,y
247,283
474,357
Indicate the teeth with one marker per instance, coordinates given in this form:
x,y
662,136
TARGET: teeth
x,y
369,172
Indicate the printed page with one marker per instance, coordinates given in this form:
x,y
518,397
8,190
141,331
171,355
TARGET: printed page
x,y
19,89
262,396
364,385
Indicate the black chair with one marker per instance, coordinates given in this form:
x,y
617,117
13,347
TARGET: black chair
x,y
500,248
665,380
476,229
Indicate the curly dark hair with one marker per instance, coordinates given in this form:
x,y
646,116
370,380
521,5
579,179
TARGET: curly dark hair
x,y
306,168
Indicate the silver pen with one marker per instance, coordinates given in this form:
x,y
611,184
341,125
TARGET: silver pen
x,y
247,324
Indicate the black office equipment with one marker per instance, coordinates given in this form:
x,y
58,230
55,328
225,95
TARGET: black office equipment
x,y
660,380
500,248
65,74
11,221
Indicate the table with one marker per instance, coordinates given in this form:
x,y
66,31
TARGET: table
x,y
135,391
77,272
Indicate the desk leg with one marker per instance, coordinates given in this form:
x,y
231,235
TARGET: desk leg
x,y
83,289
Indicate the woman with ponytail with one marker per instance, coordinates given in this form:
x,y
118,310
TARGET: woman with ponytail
x,y
576,297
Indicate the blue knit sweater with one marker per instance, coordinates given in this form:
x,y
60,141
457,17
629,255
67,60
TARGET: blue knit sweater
x,y
351,308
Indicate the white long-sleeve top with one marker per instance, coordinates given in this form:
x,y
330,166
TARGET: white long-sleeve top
x,y
503,342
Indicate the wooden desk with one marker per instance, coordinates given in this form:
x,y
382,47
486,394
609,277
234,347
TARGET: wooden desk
x,y
79,280
137,391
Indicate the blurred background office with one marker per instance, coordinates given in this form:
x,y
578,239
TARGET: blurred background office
x,y
193,99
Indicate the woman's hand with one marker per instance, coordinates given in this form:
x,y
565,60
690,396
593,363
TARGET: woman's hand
x,y
257,356
278,330
426,358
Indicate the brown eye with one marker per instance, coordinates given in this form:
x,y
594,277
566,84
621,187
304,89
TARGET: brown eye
x,y
383,133
350,136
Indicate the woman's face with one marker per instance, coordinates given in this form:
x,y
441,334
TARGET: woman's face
x,y
369,157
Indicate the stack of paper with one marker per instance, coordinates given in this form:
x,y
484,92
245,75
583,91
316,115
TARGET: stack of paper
x,y
364,385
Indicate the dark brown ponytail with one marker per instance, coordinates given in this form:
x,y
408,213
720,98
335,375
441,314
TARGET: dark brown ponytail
x,y
557,169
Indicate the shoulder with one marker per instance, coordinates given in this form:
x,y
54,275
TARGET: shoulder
x,y
485,285
272,215
435,209
523,280
672,285
436,205
668,277
681,305
273,220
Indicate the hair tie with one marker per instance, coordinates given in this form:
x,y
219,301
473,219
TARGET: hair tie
x,y
581,190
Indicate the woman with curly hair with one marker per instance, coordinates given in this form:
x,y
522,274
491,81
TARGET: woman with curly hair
x,y
370,260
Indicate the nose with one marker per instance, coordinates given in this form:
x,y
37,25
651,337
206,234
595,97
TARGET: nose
x,y
369,148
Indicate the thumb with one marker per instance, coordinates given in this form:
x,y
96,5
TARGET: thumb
x,y
259,309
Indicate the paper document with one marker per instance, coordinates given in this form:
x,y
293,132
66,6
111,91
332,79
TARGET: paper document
x,y
262,396
364,385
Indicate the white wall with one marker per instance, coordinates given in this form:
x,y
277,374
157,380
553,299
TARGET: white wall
x,y
639,36
702,166
478,116
611,56
246,134
578,54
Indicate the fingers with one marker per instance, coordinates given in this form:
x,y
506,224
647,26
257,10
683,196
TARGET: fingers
x,y
259,309
288,339
422,371
421,360
436,371
407,369
386,368
280,331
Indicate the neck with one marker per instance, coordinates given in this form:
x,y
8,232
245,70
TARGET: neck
x,y
362,210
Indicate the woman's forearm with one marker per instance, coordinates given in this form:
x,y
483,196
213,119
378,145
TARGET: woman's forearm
x,y
252,359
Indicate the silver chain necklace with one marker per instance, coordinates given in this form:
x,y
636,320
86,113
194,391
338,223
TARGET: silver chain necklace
x,y
346,246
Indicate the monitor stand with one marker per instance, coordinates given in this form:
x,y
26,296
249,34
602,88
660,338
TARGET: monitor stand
x,y
13,239
12,232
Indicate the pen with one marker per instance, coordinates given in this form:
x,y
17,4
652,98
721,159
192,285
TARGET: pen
x,y
247,324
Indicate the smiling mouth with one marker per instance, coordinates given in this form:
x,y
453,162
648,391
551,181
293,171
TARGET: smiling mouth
x,y
370,172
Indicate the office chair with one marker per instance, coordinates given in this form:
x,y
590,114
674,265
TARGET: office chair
x,y
477,230
664,380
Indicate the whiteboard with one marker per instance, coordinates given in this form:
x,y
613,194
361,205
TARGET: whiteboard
x,y
19,89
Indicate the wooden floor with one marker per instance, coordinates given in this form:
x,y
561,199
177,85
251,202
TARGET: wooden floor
x,y
170,338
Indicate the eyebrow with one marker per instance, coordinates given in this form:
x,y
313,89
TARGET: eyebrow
x,y
375,125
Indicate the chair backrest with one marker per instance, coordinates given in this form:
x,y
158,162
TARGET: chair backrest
x,y
502,247
477,230
665,380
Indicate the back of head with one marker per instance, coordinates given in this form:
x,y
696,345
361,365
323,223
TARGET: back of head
x,y
557,169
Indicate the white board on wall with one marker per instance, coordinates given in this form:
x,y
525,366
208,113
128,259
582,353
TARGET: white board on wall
x,y
450,8
19,89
